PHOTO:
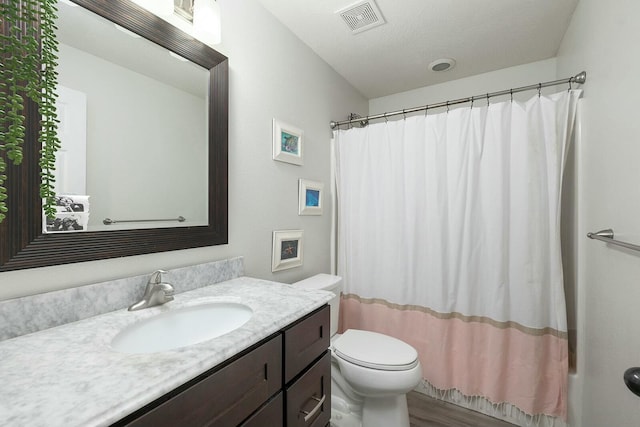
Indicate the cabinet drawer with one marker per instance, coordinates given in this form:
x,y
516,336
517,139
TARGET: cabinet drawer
x,y
226,397
305,341
308,399
269,415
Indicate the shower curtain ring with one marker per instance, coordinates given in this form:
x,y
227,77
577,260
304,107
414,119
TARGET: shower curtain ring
x,y
404,115
426,108
488,99
511,94
570,80
539,89
386,120
447,106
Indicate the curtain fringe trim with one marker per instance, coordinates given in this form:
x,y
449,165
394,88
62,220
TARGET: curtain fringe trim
x,y
503,411
454,315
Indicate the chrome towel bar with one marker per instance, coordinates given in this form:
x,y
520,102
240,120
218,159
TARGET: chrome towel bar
x,y
109,221
607,236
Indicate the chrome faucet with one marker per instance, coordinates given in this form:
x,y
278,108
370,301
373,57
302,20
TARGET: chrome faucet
x,y
157,292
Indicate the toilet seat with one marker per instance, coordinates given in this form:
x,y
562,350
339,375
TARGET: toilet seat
x,y
375,351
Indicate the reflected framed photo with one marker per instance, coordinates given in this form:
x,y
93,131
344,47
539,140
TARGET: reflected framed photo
x,y
310,194
287,249
287,143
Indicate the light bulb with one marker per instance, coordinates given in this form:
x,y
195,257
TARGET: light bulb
x,y
206,21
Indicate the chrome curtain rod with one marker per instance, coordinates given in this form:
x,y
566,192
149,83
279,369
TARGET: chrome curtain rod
x,y
109,221
579,78
607,236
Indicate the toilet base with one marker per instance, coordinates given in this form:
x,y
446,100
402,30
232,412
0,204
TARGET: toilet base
x,y
385,411
346,406
350,409
344,419
376,412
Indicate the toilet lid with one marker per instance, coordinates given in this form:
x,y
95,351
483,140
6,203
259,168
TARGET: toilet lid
x,y
376,351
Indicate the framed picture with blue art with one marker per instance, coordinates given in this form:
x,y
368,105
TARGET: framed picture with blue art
x,y
310,194
287,143
287,249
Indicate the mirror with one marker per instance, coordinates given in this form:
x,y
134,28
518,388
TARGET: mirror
x,y
22,241
133,127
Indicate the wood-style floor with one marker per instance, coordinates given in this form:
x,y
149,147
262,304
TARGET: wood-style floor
x,y
427,412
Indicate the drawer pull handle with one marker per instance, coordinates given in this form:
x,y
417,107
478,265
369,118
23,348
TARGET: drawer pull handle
x,y
310,414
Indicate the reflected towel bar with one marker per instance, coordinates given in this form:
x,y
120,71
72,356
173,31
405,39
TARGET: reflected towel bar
x,y
109,221
607,236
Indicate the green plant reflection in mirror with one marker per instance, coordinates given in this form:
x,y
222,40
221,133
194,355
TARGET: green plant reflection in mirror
x,y
29,49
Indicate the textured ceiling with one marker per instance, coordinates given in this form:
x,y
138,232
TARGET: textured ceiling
x,y
481,35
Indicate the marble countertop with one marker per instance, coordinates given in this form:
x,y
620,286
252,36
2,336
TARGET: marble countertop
x,y
70,376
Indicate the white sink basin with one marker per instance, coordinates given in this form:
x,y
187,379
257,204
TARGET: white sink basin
x,y
182,327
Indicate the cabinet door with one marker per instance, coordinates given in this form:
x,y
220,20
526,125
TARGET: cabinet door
x,y
226,397
305,341
308,399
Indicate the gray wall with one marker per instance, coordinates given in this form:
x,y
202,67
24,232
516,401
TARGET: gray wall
x,y
272,74
602,39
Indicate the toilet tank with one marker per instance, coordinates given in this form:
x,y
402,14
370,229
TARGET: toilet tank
x,y
326,282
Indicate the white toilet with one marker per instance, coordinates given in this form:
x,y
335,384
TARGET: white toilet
x,y
370,372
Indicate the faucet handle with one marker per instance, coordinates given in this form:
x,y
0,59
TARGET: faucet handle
x,y
156,276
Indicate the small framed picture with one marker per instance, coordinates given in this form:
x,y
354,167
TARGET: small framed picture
x,y
287,143
287,249
310,197
72,214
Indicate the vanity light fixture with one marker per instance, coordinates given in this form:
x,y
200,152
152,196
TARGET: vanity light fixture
x,y
204,15
206,21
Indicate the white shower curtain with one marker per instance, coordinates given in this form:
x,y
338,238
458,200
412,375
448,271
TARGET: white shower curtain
x,y
449,238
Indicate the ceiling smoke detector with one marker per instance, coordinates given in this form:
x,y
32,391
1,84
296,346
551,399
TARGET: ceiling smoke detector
x,y
362,16
442,64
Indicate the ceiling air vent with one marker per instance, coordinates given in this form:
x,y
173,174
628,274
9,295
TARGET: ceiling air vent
x,y
362,16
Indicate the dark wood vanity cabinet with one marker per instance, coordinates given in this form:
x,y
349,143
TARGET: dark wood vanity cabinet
x,y
309,397
307,371
225,397
284,380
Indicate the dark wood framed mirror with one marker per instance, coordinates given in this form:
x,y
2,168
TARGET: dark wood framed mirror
x,y
22,241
